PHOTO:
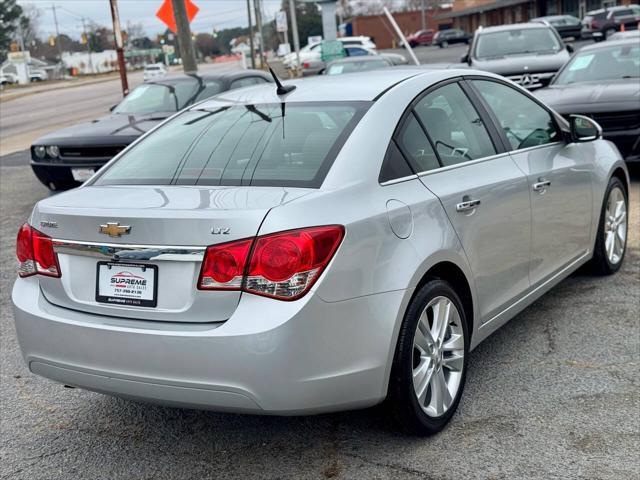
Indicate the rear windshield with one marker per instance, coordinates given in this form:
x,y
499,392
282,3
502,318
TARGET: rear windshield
x,y
241,145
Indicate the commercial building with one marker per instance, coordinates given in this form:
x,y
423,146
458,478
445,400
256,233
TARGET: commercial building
x,y
470,14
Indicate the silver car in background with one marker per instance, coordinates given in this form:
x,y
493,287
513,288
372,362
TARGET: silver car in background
x,y
322,248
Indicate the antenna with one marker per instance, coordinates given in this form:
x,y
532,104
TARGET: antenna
x,y
282,89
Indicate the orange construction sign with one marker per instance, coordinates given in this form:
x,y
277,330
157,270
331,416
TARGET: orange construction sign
x,y
165,13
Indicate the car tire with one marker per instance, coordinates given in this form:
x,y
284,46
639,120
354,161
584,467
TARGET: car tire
x,y
416,408
611,240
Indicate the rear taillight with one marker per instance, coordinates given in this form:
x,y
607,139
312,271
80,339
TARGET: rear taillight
x,y
281,265
306,65
35,253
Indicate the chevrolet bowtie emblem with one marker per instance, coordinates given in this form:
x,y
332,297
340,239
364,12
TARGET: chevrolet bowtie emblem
x,y
114,229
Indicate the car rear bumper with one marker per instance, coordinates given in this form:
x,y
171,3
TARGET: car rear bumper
x,y
271,357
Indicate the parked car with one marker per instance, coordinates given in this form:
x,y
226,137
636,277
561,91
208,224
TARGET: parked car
x,y
65,158
529,54
624,35
8,79
37,75
315,67
567,26
444,38
421,37
312,248
154,71
312,53
602,81
356,64
601,24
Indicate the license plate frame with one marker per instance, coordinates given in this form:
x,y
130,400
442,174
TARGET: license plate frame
x,y
143,299
82,174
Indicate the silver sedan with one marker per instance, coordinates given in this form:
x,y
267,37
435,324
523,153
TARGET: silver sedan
x,y
322,246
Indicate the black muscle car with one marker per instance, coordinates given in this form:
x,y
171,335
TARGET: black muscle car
x,y
602,81
65,158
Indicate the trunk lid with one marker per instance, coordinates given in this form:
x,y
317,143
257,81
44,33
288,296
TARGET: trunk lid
x,y
170,226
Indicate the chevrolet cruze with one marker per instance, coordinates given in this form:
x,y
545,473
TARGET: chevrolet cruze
x,y
320,246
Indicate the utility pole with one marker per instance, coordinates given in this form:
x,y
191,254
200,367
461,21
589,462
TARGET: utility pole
x,y
86,36
294,29
55,21
257,6
117,33
424,21
184,37
252,51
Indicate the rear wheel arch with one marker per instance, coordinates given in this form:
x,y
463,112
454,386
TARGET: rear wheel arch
x,y
455,276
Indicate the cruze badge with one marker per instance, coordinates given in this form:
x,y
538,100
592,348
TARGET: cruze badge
x,y
220,230
114,229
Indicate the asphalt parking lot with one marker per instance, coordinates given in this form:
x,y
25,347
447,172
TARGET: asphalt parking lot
x,y
553,394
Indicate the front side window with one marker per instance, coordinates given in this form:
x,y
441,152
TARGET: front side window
x,y
524,122
454,126
241,145
517,42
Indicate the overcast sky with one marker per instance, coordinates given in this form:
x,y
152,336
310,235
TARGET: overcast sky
x,y
218,14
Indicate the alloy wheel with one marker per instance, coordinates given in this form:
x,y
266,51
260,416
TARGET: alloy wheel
x,y
615,226
438,356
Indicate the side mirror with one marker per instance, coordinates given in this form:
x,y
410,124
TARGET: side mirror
x,y
465,59
569,48
584,129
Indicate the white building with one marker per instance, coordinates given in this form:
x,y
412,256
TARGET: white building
x,y
94,62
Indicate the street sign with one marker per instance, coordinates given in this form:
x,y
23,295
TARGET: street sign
x,y
281,21
165,13
19,56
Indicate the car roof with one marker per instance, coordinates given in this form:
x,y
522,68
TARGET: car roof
x,y
609,43
363,86
220,76
513,26
363,58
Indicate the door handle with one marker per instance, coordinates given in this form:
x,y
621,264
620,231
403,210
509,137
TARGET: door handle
x,y
467,205
541,186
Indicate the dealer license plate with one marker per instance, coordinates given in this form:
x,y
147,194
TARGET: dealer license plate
x,y
127,284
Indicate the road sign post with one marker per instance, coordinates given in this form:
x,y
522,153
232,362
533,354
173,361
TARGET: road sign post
x,y
119,47
176,15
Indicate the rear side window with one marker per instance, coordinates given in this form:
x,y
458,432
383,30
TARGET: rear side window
x,y
241,145
524,122
416,147
454,125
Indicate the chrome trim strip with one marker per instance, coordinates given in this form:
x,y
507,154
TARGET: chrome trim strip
x,y
399,180
463,164
128,252
539,287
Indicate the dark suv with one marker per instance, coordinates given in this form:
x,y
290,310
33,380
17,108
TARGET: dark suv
x,y
446,37
527,53
601,24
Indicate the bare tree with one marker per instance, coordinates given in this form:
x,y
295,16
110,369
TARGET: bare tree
x,y
28,24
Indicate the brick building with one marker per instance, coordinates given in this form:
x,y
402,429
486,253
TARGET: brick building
x,y
470,14
379,28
